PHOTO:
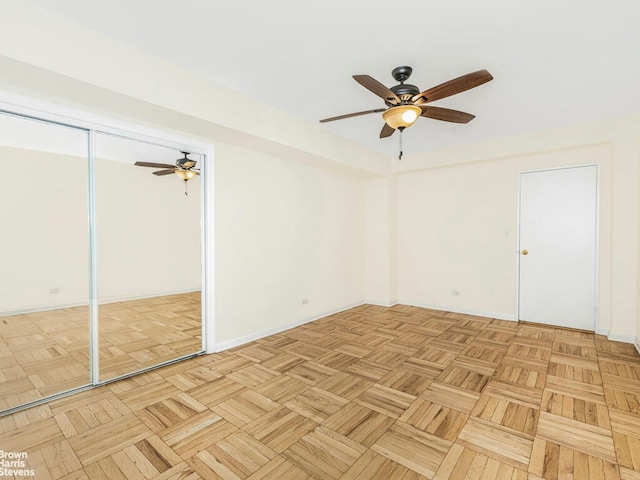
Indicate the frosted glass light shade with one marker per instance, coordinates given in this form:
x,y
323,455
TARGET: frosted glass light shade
x,y
185,174
402,116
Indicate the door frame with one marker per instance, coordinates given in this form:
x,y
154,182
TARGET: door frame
x,y
596,312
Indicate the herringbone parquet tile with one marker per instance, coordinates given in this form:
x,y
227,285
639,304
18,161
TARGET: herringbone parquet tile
x,y
371,393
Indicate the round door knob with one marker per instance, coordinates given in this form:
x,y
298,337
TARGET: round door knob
x,y
525,252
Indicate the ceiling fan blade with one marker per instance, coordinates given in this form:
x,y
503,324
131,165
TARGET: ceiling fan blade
x,y
447,114
386,131
164,172
376,87
349,115
153,165
457,85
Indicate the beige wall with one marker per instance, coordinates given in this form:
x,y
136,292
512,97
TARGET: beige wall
x,y
284,232
457,231
457,224
148,232
43,230
637,296
380,225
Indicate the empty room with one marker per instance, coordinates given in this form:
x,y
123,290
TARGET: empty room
x,y
320,240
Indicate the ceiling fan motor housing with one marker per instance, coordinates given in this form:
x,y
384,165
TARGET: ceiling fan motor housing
x,y
404,91
185,163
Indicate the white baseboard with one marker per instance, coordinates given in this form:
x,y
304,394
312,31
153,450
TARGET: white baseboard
x,y
393,303
128,298
236,342
43,308
500,316
59,306
616,337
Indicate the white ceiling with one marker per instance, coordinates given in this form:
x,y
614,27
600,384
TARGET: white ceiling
x,y
555,62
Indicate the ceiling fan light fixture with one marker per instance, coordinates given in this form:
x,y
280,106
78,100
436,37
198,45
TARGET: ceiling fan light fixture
x,y
402,116
185,174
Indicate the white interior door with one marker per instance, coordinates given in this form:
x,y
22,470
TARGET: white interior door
x,y
558,247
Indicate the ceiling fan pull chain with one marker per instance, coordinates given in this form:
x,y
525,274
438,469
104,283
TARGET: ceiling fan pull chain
x,y
185,189
400,156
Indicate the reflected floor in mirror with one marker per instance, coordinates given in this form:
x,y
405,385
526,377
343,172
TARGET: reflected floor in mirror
x,y
45,353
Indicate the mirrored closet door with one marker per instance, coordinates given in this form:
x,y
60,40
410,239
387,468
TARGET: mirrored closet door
x,y
101,258
44,260
148,244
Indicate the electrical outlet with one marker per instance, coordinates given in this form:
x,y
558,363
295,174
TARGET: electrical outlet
x,y
54,290
455,293
305,301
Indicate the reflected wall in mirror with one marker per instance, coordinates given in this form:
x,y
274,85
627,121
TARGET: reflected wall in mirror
x,y
149,256
44,254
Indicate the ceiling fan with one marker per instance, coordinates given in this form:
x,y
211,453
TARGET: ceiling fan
x,y
406,102
184,167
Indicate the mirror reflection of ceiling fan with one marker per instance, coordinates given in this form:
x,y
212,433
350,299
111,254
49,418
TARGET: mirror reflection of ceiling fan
x,y
184,167
406,103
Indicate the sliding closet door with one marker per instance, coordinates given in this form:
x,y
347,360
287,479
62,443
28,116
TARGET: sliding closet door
x,y
148,251
44,259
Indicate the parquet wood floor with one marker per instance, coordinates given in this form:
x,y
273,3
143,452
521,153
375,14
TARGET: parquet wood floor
x,y
47,352
370,393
